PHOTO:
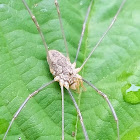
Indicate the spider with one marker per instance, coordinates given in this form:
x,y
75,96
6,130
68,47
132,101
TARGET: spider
x,y
66,72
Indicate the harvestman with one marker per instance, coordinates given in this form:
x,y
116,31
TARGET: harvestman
x,y
65,72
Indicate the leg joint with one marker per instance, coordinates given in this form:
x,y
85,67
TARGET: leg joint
x,y
56,3
102,94
33,18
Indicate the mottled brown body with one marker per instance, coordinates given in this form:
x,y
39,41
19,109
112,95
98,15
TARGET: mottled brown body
x,y
63,71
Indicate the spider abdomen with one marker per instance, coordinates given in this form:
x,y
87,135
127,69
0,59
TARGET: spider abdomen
x,y
58,63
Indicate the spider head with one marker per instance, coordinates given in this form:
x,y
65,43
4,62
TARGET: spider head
x,y
77,83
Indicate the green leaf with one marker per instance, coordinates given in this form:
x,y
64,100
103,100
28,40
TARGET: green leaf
x,y
114,65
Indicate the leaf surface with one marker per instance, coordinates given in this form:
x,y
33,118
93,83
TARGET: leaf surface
x,y
114,68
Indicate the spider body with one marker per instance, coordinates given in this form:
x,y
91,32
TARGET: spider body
x,y
63,70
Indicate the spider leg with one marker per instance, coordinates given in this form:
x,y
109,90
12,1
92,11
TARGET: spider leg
x,y
80,115
104,34
83,30
109,103
61,26
23,104
62,92
37,25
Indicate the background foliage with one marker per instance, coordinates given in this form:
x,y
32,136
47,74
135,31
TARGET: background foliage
x,y
114,68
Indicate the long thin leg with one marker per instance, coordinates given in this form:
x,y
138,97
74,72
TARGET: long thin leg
x,y
23,104
37,25
80,116
83,30
109,103
62,30
104,34
62,92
